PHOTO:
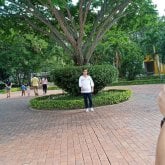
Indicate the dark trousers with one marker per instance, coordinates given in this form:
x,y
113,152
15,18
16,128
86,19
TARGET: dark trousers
x,y
23,92
44,86
87,100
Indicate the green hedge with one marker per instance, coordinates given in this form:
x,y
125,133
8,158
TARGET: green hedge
x,y
139,82
2,85
67,78
64,101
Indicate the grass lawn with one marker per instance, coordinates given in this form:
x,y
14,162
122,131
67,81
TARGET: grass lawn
x,y
140,81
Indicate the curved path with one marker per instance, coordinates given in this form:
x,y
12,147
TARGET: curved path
x,y
122,134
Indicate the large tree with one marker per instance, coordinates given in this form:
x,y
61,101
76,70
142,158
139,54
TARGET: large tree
x,y
76,28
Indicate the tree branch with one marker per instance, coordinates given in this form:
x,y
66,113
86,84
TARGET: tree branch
x,y
104,26
62,24
71,20
86,11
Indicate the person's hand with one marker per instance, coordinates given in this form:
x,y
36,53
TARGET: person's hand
x,y
92,89
161,101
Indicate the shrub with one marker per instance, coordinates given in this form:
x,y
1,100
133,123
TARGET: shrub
x,y
2,85
67,78
65,101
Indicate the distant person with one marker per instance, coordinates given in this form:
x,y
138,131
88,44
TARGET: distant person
x,y
35,84
160,152
8,85
28,89
44,82
87,87
23,89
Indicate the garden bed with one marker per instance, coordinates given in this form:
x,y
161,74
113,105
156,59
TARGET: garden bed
x,y
66,102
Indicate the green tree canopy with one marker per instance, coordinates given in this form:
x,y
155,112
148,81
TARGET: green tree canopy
x,y
77,29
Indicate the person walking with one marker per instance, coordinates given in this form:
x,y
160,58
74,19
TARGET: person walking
x,y
44,84
35,84
8,85
87,87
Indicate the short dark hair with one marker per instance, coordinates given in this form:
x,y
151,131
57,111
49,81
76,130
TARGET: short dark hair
x,y
85,69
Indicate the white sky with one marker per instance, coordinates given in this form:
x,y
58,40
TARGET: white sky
x,y
160,6
74,1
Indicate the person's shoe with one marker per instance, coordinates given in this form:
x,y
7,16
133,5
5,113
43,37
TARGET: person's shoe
x,y
87,110
92,109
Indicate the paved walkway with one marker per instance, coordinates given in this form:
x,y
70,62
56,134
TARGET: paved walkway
x,y
122,134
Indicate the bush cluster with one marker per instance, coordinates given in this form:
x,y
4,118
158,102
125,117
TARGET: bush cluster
x,y
65,101
67,78
2,85
131,64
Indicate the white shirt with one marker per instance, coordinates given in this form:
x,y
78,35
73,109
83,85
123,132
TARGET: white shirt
x,y
44,81
86,84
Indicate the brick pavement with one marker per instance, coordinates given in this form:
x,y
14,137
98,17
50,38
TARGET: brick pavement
x,y
121,134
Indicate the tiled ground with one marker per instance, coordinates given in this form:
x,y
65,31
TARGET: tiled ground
x,y
122,134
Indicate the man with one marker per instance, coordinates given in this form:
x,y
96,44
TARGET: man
x,y
87,87
160,152
35,84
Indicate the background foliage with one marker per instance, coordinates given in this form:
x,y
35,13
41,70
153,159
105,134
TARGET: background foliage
x,y
24,49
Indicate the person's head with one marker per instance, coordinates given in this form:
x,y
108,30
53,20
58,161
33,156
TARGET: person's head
x,y
85,72
8,82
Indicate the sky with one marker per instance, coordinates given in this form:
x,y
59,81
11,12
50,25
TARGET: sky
x,y
160,6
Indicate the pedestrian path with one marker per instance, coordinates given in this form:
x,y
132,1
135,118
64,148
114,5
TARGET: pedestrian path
x,y
18,94
121,134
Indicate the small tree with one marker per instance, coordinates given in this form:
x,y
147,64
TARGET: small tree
x,y
131,63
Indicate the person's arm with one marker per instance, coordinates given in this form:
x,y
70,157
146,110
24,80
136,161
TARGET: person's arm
x,y
161,101
92,84
160,151
39,81
80,84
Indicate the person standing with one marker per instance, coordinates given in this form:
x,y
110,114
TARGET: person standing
x,y
35,84
28,89
87,87
44,84
8,87
23,89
